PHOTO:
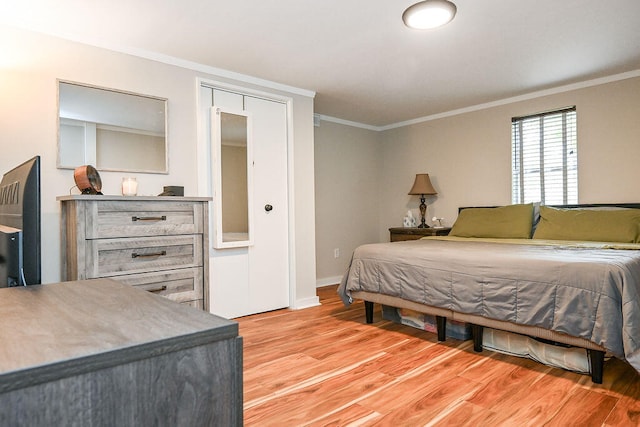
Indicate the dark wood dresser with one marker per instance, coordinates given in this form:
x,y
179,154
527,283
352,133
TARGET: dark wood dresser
x,y
102,353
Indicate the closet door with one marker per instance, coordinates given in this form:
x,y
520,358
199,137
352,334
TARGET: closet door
x,y
269,256
255,278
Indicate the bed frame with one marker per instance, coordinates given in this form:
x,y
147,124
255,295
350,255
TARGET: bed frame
x,y
595,351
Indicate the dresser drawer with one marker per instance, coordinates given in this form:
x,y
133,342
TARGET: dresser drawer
x,y
113,257
144,218
182,286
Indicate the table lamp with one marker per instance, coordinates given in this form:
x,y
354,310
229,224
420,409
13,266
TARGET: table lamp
x,y
421,187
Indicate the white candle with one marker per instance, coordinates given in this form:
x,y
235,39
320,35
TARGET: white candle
x,y
129,187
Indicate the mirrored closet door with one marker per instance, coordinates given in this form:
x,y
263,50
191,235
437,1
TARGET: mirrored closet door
x,y
249,184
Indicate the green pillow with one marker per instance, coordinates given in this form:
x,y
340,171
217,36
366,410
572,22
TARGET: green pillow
x,y
505,222
611,225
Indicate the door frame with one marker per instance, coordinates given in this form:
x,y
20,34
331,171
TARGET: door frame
x,y
204,166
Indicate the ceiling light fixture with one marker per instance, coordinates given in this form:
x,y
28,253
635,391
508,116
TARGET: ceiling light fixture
x,y
429,14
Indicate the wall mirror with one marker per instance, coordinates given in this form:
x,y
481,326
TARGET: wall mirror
x,y
112,130
233,174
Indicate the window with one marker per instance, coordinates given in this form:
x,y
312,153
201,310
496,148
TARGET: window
x,y
545,158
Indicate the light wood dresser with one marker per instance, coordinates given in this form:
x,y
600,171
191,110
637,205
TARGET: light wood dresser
x,y
158,244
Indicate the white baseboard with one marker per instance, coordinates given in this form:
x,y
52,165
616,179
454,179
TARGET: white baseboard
x,y
315,301
328,281
307,303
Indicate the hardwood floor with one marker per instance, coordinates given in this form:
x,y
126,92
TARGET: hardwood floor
x,y
324,366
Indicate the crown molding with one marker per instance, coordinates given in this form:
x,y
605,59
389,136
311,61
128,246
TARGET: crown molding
x,y
484,106
324,118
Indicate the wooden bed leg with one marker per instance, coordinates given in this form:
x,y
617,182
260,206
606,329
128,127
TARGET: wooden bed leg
x,y
368,311
596,358
476,332
441,327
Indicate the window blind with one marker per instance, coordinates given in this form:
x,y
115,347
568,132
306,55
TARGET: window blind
x,y
545,157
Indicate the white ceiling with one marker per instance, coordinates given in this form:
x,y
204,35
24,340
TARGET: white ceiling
x,y
358,57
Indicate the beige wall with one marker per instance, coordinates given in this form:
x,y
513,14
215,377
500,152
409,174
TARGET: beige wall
x,y
304,232
347,194
30,65
468,157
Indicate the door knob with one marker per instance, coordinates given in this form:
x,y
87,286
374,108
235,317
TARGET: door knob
x,y
268,208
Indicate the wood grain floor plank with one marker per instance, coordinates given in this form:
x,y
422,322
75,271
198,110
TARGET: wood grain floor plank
x,y
358,368
315,401
259,381
324,366
627,410
424,379
351,416
544,397
596,408
461,414
430,402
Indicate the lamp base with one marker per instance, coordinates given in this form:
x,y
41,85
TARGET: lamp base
x,y
423,211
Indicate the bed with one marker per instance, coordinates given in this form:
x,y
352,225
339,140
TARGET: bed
x,y
567,274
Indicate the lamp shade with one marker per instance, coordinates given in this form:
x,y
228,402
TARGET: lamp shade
x,y
422,185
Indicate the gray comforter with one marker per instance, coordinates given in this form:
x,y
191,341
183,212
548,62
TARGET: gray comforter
x,y
589,291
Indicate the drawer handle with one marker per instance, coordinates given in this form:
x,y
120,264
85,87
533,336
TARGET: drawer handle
x,y
149,218
160,289
137,255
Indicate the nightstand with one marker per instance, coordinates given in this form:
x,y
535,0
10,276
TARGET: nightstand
x,y
397,234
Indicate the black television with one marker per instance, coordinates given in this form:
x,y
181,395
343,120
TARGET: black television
x,y
20,212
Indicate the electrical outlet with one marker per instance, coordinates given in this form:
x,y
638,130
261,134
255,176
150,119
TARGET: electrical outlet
x,y
336,253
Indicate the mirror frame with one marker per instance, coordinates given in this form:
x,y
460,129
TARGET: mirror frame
x,y
216,156
88,160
